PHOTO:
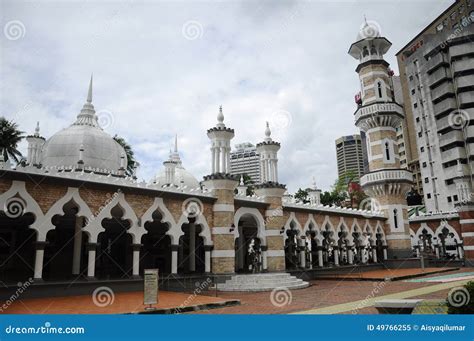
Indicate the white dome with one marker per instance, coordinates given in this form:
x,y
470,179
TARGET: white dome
x,y
182,178
368,30
100,150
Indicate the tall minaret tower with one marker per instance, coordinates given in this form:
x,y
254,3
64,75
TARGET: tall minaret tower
x,y
35,143
222,185
379,116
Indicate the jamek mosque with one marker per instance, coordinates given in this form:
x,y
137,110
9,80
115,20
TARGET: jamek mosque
x,y
72,215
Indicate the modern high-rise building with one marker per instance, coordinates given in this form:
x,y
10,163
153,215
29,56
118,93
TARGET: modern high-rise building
x,y
437,78
244,159
350,155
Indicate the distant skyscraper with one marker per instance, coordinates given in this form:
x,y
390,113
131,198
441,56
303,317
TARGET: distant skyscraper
x,y
350,155
245,160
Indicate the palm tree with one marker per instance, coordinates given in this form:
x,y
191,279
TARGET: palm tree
x,y
10,136
131,162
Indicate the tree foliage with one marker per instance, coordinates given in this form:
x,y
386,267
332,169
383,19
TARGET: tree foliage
x,y
10,136
131,162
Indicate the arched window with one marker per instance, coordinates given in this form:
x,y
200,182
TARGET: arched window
x,y
387,151
395,218
365,51
379,89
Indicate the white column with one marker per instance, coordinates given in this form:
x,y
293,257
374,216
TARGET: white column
x,y
363,256
385,256
264,260
460,251
311,260
207,259
336,257
136,260
38,273
213,153
91,260
437,251
174,259
276,170
76,253
223,160
192,247
228,159
374,255
418,252
267,169
302,254
350,256
320,258
217,160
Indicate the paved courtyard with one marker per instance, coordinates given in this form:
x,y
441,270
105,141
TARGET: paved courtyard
x,y
322,297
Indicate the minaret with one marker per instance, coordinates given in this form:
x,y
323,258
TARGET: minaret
x,y
272,193
222,186
379,116
268,150
314,194
35,143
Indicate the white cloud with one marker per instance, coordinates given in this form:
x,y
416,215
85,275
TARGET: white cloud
x,y
253,58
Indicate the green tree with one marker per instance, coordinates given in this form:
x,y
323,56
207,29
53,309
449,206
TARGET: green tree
x,y
302,196
10,136
249,183
131,162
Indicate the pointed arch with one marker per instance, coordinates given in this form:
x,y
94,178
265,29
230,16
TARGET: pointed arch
x,y
18,188
451,229
94,227
73,195
255,213
292,220
167,218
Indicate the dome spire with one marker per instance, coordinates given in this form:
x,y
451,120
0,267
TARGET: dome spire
x,y
37,129
89,93
87,115
220,118
267,133
176,143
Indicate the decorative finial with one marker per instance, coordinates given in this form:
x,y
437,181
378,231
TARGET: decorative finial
x,y
314,183
241,180
37,129
220,118
267,133
89,93
176,143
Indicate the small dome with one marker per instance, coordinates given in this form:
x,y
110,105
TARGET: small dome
x,y
182,178
100,150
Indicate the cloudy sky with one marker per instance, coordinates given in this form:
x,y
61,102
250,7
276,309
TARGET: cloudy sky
x,y
163,67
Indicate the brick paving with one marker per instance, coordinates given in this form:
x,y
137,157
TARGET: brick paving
x,y
124,302
321,294
324,293
381,274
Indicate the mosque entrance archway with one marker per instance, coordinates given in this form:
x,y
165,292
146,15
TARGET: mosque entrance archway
x,y
248,246
65,256
17,247
156,251
115,247
191,254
